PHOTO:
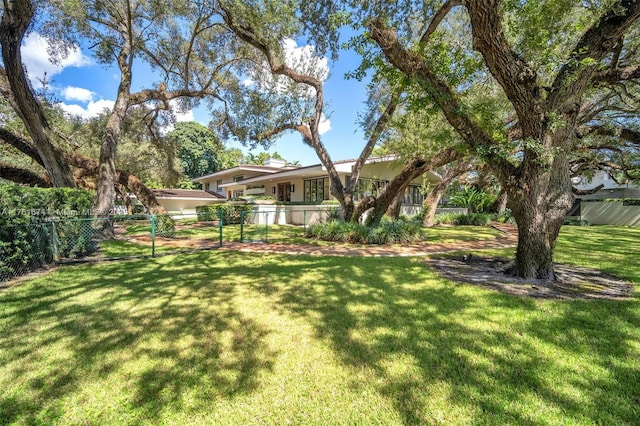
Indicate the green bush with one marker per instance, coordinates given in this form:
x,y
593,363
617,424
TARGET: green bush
x,y
575,222
165,226
506,217
356,233
475,219
231,214
26,233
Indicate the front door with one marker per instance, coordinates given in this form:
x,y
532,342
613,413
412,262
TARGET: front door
x,y
284,192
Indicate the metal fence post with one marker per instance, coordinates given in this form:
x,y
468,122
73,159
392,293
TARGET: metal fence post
x,y
304,220
55,254
242,225
266,224
153,235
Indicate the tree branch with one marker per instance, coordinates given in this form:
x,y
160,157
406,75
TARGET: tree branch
x,y
599,40
441,94
512,72
380,126
438,17
23,176
616,75
20,144
579,192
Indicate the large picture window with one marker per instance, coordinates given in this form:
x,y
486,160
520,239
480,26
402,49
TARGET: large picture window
x,y
316,190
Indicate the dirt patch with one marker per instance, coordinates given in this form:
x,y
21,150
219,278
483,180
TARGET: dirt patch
x,y
572,282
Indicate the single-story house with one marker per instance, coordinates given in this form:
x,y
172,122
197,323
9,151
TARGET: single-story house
x,y
185,201
230,182
311,184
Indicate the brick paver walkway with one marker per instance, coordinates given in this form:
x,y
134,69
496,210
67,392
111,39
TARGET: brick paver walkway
x,y
509,238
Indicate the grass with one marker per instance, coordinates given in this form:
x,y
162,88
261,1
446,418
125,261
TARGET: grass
x,y
295,234
234,338
121,248
452,234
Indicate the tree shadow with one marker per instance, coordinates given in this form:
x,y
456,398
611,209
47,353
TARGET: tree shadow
x,y
465,341
484,356
174,328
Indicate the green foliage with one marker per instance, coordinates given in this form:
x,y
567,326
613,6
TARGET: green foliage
x,y
474,200
197,149
506,217
26,241
165,226
474,219
23,248
22,204
575,222
388,232
231,214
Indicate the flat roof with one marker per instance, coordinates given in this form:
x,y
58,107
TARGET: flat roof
x,y
185,194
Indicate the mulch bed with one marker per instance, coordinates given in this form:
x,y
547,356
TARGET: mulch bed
x,y
571,283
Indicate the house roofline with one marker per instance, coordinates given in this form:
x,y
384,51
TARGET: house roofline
x,y
242,167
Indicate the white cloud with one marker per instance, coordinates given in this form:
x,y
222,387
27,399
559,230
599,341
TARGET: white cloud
x,y
36,58
184,116
324,126
300,58
77,94
91,110
303,59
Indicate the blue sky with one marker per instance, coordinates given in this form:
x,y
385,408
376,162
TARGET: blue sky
x,y
85,87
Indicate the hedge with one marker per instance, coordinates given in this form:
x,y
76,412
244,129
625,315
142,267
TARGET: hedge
x,y
26,231
231,214
387,232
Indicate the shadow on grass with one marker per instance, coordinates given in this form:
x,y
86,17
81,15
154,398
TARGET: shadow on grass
x,y
496,357
438,351
176,328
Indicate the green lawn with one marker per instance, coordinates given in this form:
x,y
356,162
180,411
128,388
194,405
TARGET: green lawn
x,y
230,338
295,234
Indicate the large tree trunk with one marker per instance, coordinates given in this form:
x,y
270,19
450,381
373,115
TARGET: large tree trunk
x,y
430,204
500,204
15,20
434,196
133,183
400,182
539,209
107,159
394,209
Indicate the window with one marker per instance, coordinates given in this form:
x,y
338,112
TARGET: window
x,y
207,186
238,193
413,195
219,185
369,187
316,190
238,178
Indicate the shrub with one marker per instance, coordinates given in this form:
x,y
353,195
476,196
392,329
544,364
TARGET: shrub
x,y
475,219
349,232
165,226
445,218
231,214
505,217
575,222
26,232
476,201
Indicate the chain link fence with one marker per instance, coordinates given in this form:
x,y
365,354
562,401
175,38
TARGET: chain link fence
x,y
26,248
279,224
